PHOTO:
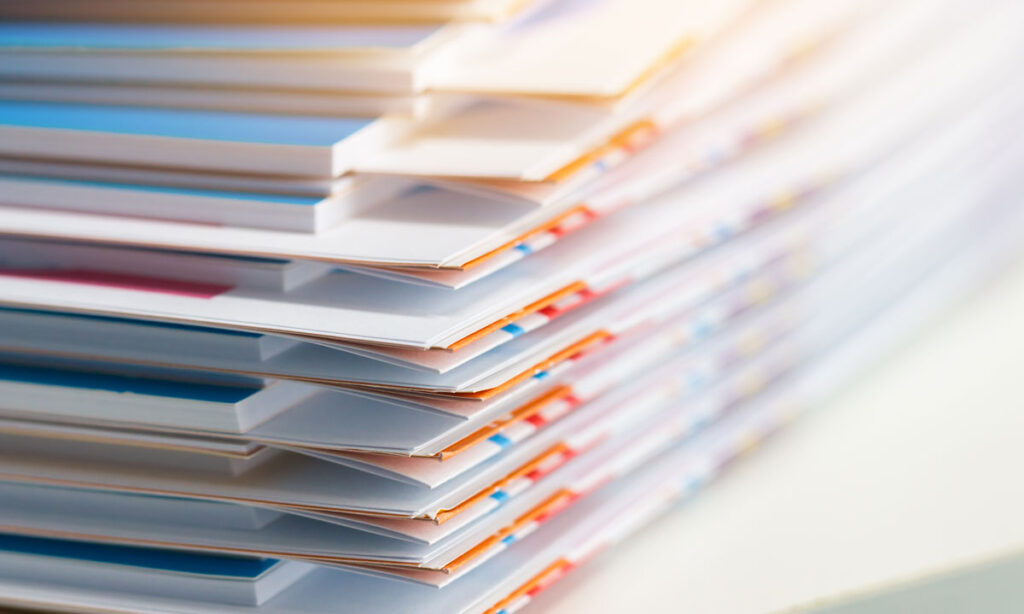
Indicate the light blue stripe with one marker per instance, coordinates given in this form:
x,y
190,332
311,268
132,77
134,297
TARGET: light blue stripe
x,y
722,232
182,123
37,35
499,496
702,328
513,329
265,198
500,439
526,249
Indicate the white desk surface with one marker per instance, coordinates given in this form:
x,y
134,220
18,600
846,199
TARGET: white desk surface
x,y
910,475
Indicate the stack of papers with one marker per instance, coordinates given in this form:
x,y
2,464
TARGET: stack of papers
x,y
349,306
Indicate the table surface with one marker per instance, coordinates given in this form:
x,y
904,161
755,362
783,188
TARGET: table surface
x,y
909,475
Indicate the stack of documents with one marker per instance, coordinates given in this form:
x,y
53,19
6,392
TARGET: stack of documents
x,y
414,305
